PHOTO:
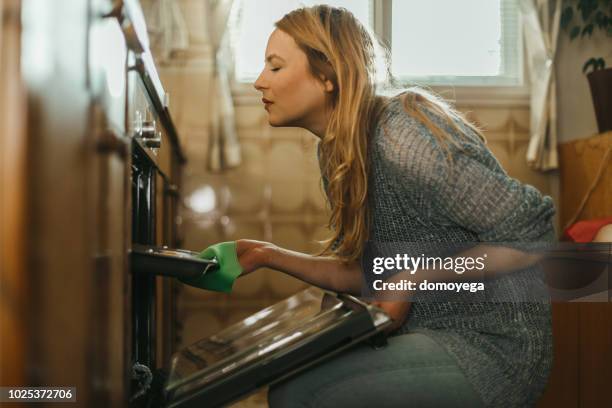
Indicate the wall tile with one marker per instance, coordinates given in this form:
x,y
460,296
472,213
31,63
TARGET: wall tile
x,y
234,229
247,196
254,163
290,235
491,119
198,238
287,196
316,197
501,152
285,161
249,116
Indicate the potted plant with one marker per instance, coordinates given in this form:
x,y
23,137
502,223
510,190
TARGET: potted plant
x,y
580,18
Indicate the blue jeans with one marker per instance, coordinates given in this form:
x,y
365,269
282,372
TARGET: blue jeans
x,y
411,371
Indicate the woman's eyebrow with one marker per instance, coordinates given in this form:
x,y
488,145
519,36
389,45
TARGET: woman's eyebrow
x,y
271,56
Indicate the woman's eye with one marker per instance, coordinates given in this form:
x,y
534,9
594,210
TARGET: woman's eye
x,y
274,69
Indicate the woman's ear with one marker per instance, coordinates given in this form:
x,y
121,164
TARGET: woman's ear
x,y
327,84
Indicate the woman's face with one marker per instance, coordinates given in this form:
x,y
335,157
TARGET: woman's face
x,y
291,94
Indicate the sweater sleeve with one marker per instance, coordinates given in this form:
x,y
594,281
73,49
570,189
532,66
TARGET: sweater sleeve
x,y
473,192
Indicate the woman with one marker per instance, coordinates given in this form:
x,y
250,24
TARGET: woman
x,y
406,168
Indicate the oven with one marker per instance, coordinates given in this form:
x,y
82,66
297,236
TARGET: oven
x,y
155,183
155,180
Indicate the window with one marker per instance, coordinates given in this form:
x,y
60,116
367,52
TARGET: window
x,y
255,21
433,42
449,42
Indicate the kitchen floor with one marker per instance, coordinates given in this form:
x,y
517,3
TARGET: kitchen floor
x,y
257,400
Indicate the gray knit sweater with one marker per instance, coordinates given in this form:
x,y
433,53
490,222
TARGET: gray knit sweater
x,y
504,347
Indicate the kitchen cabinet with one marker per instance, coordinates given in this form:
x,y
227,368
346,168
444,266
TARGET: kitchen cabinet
x,y
75,229
582,371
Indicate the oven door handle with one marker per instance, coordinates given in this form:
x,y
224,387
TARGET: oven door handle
x,y
176,263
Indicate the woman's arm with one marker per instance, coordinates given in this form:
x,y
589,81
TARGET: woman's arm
x,y
498,260
325,272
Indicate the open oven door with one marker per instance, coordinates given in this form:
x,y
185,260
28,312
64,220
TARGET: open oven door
x,y
269,346
262,349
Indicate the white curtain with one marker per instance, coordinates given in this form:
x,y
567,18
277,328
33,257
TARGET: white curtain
x,y
223,145
166,27
540,20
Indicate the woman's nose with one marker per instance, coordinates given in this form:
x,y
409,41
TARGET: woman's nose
x,y
259,83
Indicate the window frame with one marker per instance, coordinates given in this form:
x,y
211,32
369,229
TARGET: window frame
x,y
382,19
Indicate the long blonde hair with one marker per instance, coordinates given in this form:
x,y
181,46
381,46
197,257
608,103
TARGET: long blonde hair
x,y
340,49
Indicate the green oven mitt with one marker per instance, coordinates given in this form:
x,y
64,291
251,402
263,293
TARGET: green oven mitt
x,y
222,278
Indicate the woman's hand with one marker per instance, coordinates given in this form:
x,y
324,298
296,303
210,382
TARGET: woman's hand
x,y
252,254
397,311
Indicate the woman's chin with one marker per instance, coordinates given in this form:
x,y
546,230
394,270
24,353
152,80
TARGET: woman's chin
x,y
275,122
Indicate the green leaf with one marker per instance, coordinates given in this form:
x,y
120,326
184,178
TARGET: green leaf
x,y
600,19
601,63
588,29
587,64
587,7
574,33
596,63
566,17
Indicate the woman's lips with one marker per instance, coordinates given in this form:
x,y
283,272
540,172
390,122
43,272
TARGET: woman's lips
x,y
267,103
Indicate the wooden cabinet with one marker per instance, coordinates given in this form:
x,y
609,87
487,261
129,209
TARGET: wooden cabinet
x,y
66,204
13,217
582,372
586,173
67,196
